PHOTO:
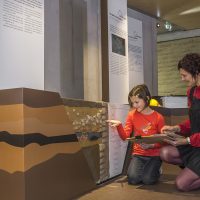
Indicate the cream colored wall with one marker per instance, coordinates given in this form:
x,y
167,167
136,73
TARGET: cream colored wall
x,y
169,53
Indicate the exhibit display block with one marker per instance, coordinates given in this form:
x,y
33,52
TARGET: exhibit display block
x,y
42,155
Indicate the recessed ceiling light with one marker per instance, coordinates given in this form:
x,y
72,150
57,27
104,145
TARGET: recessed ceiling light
x,y
193,10
158,25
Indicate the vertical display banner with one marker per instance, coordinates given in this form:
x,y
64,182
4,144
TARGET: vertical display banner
x,y
118,51
117,147
135,52
22,44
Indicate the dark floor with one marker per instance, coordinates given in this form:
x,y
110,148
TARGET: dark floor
x,y
165,189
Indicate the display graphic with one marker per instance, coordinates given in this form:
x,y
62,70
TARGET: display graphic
x,y
118,51
118,45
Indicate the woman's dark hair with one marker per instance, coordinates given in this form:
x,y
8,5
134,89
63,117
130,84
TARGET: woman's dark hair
x,y
190,63
142,92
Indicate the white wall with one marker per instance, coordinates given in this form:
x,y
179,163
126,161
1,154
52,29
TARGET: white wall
x,y
22,44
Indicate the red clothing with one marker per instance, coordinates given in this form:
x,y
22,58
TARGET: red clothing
x,y
143,125
185,126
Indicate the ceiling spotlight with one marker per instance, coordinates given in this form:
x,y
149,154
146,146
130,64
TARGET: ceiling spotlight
x,y
168,26
157,25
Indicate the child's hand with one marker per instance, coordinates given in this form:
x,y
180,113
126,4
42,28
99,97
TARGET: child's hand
x,y
113,123
146,146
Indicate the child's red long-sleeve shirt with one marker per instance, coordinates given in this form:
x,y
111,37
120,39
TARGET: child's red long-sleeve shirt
x,y
143,125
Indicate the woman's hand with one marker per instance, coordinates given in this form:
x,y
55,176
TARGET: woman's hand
x,y
173,135
147,146
113,123
177,141
170,129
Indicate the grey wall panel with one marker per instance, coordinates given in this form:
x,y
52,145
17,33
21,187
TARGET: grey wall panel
x,y
51,46
71,42
149,49
64,47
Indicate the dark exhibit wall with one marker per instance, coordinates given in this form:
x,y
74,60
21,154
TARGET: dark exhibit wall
x,y
172,116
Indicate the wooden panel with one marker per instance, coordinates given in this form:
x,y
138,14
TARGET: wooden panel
x,y
104,44
169,53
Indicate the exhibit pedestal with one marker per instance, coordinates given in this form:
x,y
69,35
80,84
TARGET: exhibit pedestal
x,y
41,156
